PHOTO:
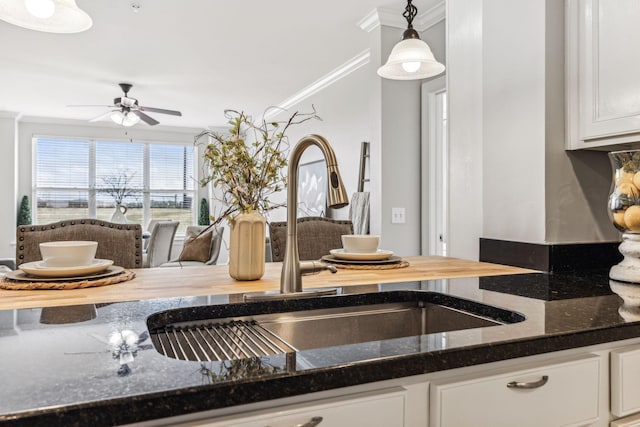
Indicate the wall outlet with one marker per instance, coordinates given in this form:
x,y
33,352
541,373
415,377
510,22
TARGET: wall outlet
x,y
398,216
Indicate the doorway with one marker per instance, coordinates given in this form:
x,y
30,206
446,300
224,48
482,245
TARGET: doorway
x,y
434,169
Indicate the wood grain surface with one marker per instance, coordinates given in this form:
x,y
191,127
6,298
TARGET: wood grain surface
x,y
171,282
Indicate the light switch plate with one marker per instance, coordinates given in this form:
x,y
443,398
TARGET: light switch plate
x,y
398,216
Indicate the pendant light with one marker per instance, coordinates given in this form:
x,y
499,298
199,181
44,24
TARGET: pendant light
x,y
51,16
411,58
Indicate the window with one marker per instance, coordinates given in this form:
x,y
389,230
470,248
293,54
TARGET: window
x,y
75,178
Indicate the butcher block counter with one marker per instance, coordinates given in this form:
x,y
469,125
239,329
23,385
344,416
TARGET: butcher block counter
x,y
173,282
61,366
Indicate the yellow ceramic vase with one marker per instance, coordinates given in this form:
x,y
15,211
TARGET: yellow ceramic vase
x,y
247,246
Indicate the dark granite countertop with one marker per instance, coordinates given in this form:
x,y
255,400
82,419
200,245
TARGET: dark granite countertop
x,y
95,365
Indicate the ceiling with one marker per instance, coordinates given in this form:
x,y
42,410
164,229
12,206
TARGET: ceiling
x,y
196,56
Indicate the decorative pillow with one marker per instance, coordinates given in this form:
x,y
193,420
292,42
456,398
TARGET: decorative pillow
x,y
196,247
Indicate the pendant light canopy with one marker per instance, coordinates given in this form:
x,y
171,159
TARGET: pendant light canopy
x,y
411,58
52,16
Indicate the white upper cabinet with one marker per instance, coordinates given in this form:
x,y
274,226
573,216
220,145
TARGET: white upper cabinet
x,y
602,72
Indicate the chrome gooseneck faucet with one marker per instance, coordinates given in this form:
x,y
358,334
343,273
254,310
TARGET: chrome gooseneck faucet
x,y
292,268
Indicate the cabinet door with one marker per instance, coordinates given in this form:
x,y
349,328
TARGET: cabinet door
x,y
560,394
383,410
625,387
603,40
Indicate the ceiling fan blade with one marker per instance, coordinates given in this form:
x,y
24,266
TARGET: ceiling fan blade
x,y
148,120
102,106
160,110
101,116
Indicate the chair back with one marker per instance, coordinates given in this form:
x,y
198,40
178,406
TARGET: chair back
x,y
152,223
216,241
316,237
121,243
160,243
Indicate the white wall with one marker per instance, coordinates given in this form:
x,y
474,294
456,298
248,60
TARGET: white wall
x,y
513,109
10,202
534,190
464,91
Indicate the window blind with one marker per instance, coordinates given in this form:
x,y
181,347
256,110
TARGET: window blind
x,y
76,178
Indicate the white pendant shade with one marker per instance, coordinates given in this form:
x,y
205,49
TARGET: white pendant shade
x,y
410,59
67,17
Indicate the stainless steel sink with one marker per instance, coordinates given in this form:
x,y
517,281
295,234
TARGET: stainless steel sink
x,y
235,331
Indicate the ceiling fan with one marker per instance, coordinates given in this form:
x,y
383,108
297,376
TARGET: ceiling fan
x,y
126,111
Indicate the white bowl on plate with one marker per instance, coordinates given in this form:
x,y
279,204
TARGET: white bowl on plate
x,y
360,243
69,253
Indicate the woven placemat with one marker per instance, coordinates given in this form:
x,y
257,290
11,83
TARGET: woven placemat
x,y
401,264
13,285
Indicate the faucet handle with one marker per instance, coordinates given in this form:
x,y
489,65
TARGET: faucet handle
x,y
315,267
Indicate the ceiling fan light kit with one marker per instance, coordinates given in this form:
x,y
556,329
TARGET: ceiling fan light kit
x,y
126,118
52,16
411,58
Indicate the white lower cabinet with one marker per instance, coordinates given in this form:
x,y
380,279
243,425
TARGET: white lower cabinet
x,y
385,408
577,387
559,394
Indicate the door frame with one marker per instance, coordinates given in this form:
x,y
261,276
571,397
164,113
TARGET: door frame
x,y
434,159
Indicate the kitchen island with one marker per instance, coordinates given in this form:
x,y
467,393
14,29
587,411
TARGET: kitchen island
x,y
70,372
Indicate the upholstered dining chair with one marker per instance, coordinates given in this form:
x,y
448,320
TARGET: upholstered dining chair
x,y
199,248
146,233
121,243
160,243
316,237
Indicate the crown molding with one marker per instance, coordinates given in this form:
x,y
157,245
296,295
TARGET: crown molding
x,y
431,17
391,18
325,81
10,115
382,16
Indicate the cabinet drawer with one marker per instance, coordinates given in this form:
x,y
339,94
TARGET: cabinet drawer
x,y
568,397
383,410
625,387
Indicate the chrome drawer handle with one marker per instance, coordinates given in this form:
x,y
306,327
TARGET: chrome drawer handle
x,y
311,423
533,384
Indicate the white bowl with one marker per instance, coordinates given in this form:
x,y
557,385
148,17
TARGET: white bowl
x,y
68,253
360,243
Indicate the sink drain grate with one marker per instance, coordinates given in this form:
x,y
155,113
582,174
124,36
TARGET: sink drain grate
x,y
218,341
